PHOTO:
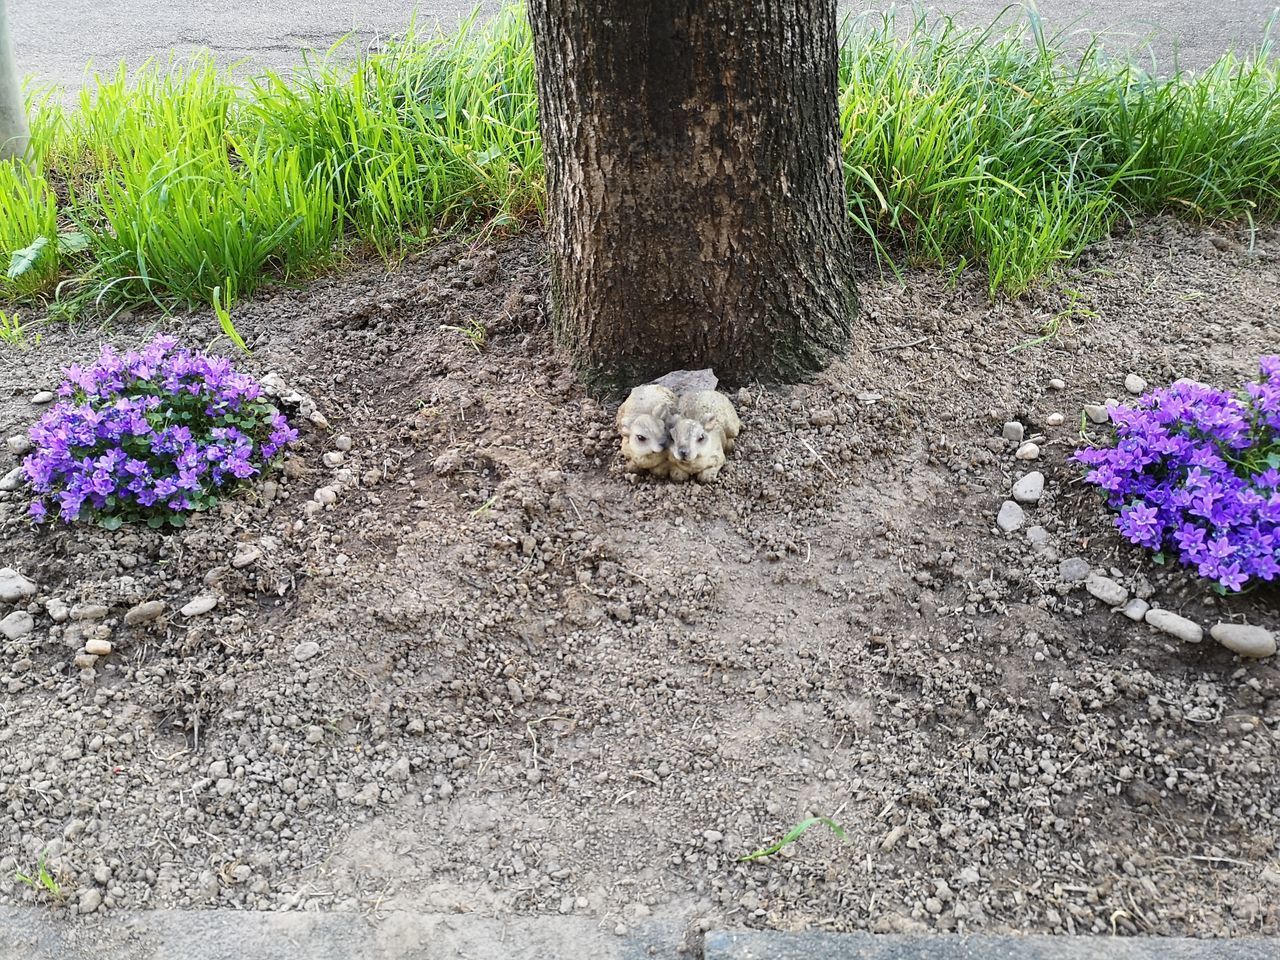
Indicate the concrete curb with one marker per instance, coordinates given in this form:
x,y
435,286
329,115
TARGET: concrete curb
x,y
763,945
37,934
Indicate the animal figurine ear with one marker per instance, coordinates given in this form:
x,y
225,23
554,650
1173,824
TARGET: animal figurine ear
x,y
710,421
625,429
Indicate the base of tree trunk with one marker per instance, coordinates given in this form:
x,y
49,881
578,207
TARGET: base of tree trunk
x,y
696,199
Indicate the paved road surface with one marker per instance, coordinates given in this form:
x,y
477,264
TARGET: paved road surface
x,y
54,39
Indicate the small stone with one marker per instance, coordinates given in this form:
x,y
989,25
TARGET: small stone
x,y
102,874
319,420
620,611
19,444
98,647
1030,488
744,397
933,906
245,556
822,418
400,769
1136,609
1106,590
90,900
17,625
342,442
1011,517
1055,419
1166,621
1073,570
326,496
43,397
1037,535
514,691
1057,383
1135,384
712,836
89,611
333,458
1013,431
1245,639
85,661
144,612
199,606
1028,451
14,586
57,609
305,650
13,480
1097,413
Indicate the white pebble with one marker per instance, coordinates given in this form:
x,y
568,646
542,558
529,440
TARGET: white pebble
x,y
1136,609
1057,383
43,397
1028,451
199,606
1166,621
98,647
1106,590
1011,517
19,444
1135,384
1029,489
1245,639
1055,419
305,650
1013,431
17,625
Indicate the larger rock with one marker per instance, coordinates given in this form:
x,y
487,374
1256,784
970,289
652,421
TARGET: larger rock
x,y
1011,517
1106,590
14,586
1166,621
1245,639
17,625
689,381
1073,570
144,612
1030,488
12,480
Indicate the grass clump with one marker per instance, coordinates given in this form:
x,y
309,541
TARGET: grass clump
x,y
962,148
972,147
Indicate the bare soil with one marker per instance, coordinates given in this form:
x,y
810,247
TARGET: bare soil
x,y
542,685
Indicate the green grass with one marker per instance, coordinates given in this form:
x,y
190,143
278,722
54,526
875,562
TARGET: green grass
x,y
988,150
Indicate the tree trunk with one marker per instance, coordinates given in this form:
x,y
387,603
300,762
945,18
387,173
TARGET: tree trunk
x,y
13,112
696,202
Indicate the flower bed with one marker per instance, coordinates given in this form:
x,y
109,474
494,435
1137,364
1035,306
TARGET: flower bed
x,y
1195,472
150,435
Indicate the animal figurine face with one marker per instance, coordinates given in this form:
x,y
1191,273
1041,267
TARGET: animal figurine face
x,y
689,441
695,451
644,442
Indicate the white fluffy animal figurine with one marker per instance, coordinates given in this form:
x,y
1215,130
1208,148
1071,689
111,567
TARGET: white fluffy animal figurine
x,y
642,423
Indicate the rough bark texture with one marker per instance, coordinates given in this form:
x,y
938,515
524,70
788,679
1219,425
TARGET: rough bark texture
x,y
13,114
696,209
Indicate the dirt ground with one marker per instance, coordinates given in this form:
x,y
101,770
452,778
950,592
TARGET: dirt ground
x,y
498,675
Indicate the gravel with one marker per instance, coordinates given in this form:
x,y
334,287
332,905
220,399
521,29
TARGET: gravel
x,y
582,673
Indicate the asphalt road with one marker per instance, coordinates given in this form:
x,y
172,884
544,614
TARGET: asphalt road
x,y
55,39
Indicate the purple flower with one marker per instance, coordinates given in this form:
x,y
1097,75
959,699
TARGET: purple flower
x,y
1196,470
149,433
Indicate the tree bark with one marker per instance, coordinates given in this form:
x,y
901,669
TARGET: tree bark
x,y
13,112
696,200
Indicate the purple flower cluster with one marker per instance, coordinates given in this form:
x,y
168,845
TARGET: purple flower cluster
x,y
150,435
1196,471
